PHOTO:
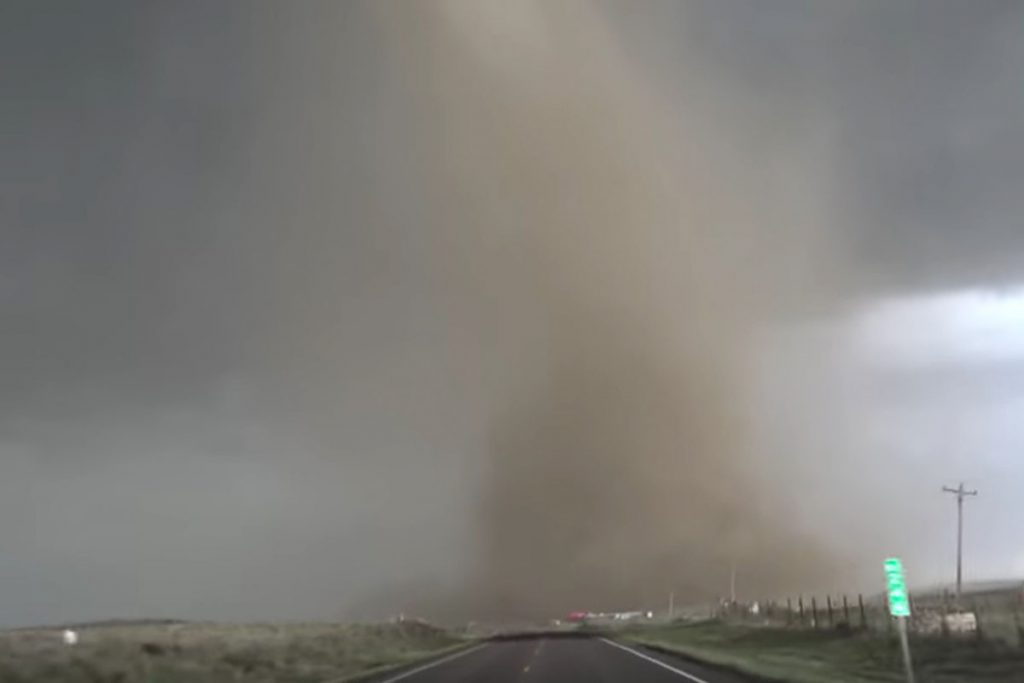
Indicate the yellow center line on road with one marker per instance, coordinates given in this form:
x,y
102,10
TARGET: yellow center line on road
x,y
533,656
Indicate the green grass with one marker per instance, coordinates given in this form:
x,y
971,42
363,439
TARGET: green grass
x,y
214,653
808,656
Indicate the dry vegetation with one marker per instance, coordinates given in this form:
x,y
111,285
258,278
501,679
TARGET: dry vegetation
x,y
805,655
209,653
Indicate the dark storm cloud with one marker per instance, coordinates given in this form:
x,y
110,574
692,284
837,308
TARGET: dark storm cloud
x,y
189,263
922,101
931,125
111,177
276,337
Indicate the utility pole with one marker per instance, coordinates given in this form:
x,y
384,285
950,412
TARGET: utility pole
x,y
961,493
732,583
671,605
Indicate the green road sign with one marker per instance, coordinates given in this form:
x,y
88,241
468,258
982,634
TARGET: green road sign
x,y
899,602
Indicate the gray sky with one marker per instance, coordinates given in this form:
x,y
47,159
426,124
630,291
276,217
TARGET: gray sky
x,y
317,310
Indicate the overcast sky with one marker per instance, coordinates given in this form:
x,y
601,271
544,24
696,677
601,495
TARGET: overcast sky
x,y
281,283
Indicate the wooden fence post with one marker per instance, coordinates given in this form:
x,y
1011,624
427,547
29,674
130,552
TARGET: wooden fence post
x,y
944,614
814,612
846,612
789,611
831,618
863,614
801,603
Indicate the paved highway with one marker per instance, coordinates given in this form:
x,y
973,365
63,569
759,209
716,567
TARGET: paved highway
x,y
558,660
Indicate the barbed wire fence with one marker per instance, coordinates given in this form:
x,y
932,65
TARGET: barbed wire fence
x,y
992,615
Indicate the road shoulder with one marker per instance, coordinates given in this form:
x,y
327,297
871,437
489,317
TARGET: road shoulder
x,y
683,662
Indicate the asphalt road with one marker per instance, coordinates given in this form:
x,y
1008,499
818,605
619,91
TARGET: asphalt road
x,y
558,660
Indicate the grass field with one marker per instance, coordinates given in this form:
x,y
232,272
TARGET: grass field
x,y
215,653
809,656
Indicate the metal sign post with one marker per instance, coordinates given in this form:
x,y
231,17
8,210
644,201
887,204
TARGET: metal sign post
x,y
899,608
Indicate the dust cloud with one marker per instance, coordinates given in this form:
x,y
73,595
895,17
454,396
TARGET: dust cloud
x,y
616,254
